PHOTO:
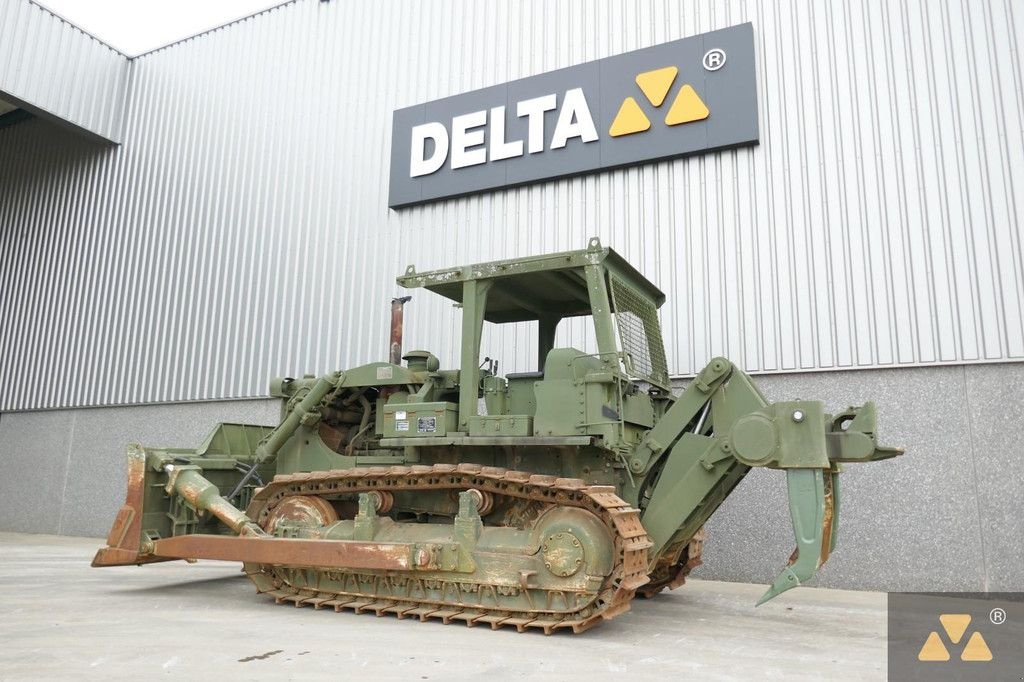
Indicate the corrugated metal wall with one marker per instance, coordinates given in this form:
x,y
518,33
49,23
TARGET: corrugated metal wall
x,y
241,231
53,67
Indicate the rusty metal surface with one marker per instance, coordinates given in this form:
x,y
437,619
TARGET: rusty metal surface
x,y
380,594
123,541
397,316
828,522
194,488
354,554
302,508
674,566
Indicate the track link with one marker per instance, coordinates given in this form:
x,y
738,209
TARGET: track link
x,y
389,593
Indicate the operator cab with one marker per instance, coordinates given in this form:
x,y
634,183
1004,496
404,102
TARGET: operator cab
x,y
573,393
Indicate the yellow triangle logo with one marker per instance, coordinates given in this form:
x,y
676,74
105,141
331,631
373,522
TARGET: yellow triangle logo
x,y
630,119
955,625
933,649
976,649
687,108
656,84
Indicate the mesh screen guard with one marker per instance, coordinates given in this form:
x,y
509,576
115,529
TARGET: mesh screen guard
x,y
640,333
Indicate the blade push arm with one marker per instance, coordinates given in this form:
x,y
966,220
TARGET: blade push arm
x,y
719,428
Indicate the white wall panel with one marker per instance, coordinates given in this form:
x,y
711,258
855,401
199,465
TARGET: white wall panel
x,y
50,67
242,229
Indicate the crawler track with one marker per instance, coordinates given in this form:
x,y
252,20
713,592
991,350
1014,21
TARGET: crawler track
x,y
405,594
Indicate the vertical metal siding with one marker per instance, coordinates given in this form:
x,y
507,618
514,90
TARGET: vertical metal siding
x,y
54,67
242,229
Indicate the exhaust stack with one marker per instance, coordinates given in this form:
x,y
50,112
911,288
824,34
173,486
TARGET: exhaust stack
x,y
397,317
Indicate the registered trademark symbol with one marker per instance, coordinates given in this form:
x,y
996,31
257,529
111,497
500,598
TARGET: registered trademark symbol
x,y
997,616
714,59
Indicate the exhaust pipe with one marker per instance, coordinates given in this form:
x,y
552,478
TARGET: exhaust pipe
x,y
397,317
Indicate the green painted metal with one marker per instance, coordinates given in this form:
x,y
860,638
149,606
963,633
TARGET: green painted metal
x,y
607,418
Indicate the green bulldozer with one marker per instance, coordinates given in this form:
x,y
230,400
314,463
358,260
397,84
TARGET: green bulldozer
x,y
545,499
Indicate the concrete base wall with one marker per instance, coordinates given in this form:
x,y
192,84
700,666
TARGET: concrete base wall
x,y
63,471
949,515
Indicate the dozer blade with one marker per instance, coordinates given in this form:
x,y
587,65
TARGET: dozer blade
x,y
168,494
814,509
124,538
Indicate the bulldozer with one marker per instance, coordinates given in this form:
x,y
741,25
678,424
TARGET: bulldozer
x,y
537,500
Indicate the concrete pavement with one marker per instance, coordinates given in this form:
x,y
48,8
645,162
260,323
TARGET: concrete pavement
x,y
61,619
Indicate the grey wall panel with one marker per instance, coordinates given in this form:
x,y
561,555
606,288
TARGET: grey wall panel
x,y
75,461
34,461
53,68
993,396
242,229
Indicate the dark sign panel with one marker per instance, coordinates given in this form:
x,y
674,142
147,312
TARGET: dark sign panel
x,y
688,96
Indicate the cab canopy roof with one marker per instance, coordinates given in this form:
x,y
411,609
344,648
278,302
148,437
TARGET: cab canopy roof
x,y
552,285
